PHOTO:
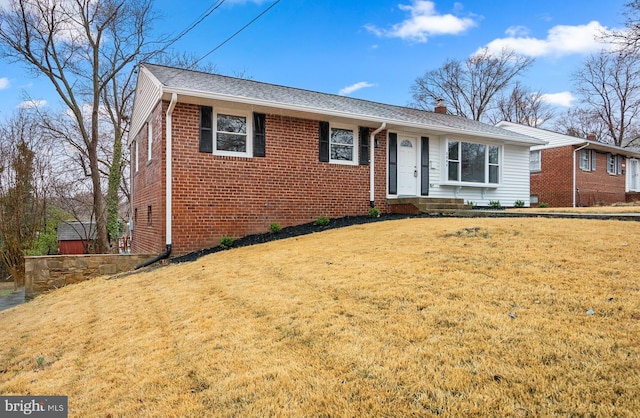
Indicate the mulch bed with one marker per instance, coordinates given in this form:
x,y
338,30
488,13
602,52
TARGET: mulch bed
x,y
295,231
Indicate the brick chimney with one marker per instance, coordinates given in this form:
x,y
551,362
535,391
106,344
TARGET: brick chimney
x,y
440,107
592,137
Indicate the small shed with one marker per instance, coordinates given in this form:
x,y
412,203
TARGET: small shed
x,y
75,237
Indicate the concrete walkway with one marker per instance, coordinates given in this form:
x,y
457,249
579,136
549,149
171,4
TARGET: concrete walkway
x,y
12,299
565,215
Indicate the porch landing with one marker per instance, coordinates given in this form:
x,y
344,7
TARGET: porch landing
x,y
430,205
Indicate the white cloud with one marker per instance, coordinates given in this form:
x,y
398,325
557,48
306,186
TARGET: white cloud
x,y
354,87
4,83
423,23
31,104
561,99
514,31
561,40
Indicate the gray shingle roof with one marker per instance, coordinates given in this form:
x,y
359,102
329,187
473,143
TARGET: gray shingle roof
x,y
201,84
74,231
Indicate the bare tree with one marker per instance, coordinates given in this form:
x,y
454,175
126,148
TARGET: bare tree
x,y
22,190
629,38
581,123
522,106
469,87
81,46
608,85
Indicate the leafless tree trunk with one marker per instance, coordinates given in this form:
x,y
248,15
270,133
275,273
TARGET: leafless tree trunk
x,y
608,85
81,46
469,87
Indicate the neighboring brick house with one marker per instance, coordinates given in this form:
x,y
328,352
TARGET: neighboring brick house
x,y
216,156
571,171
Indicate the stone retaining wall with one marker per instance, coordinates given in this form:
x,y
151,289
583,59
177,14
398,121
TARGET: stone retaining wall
x,y
54,271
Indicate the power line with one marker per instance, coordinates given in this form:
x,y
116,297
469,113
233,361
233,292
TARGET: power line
x,y
236,33
199,20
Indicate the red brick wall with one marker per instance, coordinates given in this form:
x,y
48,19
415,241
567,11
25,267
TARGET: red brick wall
x,y
554,184
598,187
147,189
216,196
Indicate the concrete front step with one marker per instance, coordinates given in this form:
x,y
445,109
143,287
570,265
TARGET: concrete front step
x,y
426,205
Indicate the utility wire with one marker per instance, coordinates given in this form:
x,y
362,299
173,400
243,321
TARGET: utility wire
x,y
236,33
199,20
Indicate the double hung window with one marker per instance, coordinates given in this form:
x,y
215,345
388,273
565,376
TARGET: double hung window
x,y
225,133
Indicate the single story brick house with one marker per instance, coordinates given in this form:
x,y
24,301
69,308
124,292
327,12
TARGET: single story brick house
x,y
570,171
216,156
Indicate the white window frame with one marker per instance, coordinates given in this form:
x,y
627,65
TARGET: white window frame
x,y
458,159
535,165
355,145
249,124
149,140
611,163
587,160
136,153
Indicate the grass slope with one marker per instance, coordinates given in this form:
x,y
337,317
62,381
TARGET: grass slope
x,y
417,317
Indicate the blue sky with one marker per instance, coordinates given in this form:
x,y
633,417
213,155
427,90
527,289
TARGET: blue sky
x,y
370,49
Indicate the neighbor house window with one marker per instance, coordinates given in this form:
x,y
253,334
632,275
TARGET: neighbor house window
x,y
149,216
535,162
149,140
614,164
473,163
587,160
232,132
342,147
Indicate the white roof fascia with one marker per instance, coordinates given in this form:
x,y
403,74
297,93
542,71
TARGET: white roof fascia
x,y
167,91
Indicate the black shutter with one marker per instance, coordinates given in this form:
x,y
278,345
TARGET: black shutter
x,y
259,135
364,145
393,163
323,145
424,167
206,129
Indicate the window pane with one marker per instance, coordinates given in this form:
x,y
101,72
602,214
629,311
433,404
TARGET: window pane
x,y
341,136
494,155
342,152
453,151
231,142
534,161
493,173
473,162
453,171
228,123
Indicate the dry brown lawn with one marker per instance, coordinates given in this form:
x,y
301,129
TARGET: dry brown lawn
x,y
416,317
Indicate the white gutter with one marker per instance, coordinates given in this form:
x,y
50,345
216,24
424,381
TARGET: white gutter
x,y
575,151
168,182
372,153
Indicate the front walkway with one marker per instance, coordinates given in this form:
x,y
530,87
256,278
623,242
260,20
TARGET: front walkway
x,y
12,299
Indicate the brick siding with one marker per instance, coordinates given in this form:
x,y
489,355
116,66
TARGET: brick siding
x,y
554,183
216,196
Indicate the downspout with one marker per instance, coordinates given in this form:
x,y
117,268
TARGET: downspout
x,y
168,185
372,176
575,151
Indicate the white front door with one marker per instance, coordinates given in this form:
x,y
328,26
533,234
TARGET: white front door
x,y
407,167
634,175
